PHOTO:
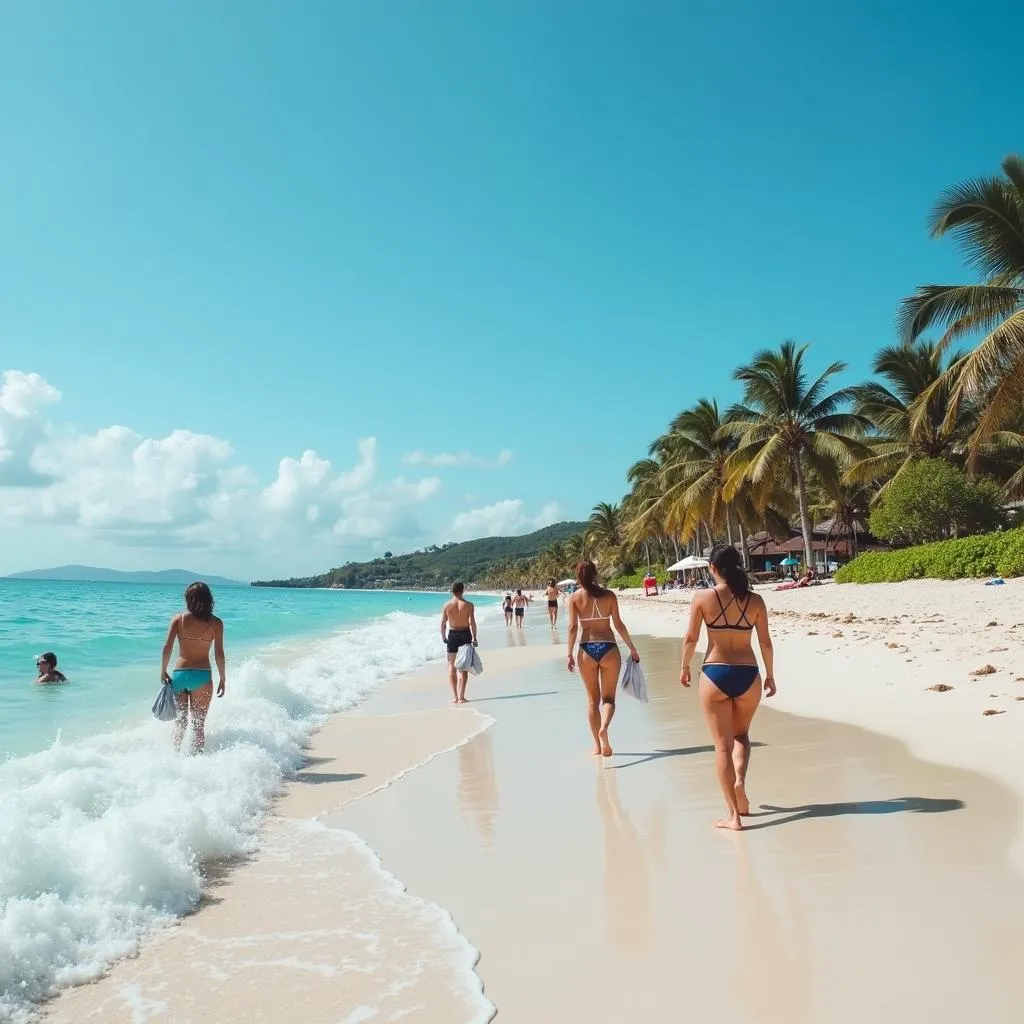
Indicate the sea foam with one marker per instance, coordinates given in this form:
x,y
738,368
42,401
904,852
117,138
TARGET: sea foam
x,y
102,840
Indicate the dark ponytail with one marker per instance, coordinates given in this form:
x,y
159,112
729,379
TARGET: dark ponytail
x,y
726,560
586,576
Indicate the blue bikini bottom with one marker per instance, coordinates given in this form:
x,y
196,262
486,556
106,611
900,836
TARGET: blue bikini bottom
x,y
732,680
597,649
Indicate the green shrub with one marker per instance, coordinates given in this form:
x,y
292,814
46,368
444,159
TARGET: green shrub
x,y
991,554
636,579
932,500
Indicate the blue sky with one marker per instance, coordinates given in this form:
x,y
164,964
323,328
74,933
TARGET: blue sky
x,y
454,227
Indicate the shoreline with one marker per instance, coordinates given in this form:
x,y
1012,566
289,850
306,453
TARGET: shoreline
x,y
398,791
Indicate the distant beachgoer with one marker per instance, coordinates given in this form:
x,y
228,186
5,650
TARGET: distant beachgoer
x,y
195,629
596,610
552,595
730,690
506,607
46,665
519,603
458,628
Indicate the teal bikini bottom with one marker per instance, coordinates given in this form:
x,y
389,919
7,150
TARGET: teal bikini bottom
x,y
185,679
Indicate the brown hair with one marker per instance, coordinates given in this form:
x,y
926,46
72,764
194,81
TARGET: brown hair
x,y
50,658
586,576
199,601
458,587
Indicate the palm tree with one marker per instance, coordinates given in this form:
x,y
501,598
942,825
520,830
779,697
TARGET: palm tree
x,y
847,505
986,216
605,528
900,435
577,548
786,426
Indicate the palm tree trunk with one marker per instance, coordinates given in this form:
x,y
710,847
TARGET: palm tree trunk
x,y
675,546
744,553
805,517
647,554
728,525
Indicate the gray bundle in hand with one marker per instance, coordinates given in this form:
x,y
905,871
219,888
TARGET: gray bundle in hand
x,y
163,706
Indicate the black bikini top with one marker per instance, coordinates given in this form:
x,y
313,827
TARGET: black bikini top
x,y
721,622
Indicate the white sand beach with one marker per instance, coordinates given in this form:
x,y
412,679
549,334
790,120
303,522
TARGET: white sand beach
x,y
875,881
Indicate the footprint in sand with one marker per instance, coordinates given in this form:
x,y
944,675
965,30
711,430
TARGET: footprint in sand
x,y
940,688
992,711
985,670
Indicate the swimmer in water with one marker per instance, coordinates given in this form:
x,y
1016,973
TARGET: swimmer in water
x,y
46,664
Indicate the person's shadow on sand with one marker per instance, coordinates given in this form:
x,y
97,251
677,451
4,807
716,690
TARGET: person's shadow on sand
x,y
655,755
894,805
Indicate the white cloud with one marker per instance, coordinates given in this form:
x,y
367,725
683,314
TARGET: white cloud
x,y
503,518
24,398
186,489
418,458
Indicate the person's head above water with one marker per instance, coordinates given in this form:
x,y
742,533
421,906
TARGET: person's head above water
x,y
458,587
586,576
199,601
46,662
725,560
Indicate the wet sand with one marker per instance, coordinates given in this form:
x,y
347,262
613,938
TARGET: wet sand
x,y
869,884
597,891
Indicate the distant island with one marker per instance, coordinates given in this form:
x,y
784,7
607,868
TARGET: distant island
x,y
435,567
93,574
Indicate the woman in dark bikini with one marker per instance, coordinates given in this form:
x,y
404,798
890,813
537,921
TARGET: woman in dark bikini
x,y
596,610
195,629
507,608
730,688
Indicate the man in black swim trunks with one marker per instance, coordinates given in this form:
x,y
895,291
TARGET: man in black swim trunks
x,y
552,595
458,628
519,607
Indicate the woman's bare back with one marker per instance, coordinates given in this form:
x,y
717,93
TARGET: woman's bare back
x,y
195,638
719,607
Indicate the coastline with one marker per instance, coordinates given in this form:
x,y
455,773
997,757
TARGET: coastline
x,y
487,842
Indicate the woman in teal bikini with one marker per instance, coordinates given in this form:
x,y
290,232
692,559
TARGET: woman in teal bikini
x,y
195,629
596,610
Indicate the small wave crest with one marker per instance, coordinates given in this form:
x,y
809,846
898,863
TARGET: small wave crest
x,y
102,840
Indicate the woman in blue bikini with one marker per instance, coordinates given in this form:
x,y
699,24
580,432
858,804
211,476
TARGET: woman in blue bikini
x,y
596,610
729,685
195,629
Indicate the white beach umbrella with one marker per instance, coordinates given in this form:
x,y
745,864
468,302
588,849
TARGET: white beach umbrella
x,y
689,562
565,583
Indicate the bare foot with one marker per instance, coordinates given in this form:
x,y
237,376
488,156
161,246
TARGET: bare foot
x,y
733,824
606,747
597,750
462,700
742,802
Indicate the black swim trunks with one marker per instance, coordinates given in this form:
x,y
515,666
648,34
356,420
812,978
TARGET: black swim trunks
x,y
519,611
552,604
458,638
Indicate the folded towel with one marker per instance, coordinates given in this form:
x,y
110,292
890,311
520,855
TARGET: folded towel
x,y
632,680
468,660
163,706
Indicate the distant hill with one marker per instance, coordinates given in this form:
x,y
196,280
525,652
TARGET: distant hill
x,y
435,567
92,574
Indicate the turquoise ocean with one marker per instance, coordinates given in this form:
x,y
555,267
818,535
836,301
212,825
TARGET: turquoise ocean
x,y
103,828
